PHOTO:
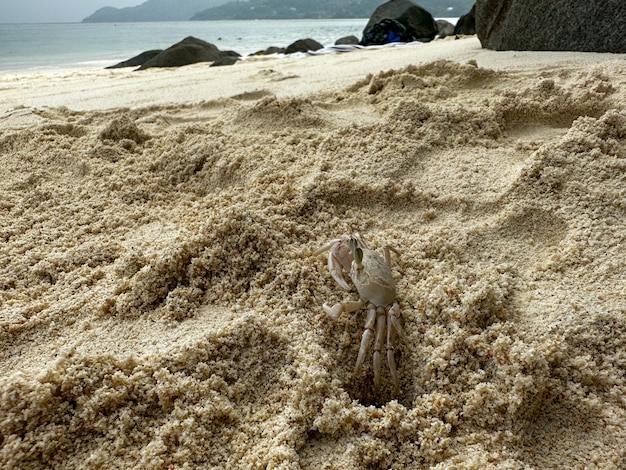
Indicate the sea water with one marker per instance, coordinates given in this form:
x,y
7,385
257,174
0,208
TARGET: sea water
x,y
25,47
76,45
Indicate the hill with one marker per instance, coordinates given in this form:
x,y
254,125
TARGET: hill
x,y
182,10
153,10
295,9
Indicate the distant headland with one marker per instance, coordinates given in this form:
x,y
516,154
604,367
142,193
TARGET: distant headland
x,y
183,10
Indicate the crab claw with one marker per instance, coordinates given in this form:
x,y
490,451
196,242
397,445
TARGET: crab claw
x,y
336,270
341,307
334,311
339,260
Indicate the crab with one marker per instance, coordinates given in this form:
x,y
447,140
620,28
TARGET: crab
x,y
371,275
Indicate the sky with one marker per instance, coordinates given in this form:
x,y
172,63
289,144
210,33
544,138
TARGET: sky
x,y
55,11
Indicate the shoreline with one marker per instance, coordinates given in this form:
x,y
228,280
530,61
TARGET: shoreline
x,y
112,43
103,89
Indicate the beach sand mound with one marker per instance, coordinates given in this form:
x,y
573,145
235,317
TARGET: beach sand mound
x,y
158,308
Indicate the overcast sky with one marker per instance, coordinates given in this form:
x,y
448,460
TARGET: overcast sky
x,y
55,11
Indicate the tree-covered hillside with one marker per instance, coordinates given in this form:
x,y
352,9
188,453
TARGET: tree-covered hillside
x,y
153,10
287,9
181,10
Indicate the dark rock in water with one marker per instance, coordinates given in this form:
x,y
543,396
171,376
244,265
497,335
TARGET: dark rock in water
x,y
419,23
303,45
188,51
467,23
270,50
348,40
137,60
557,25
445,28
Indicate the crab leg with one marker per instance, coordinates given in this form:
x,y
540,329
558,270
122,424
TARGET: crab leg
x,y
387,249
326,247
392,323
366,337
394,319
381,321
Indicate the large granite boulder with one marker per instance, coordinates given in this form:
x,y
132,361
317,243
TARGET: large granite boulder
x,y
303,45
467,23
555,25
386,31
347,40
227,58
270,50
137,60
419,23
188,51
445,28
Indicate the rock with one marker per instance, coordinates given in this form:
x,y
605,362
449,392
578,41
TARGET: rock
x,y
225,60
557,25
419,23
303,45
224,54
467,23
137,60
386,31
445,28
188,51
270,50
349,40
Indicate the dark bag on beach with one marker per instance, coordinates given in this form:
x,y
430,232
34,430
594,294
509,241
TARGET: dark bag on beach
x,y
386,31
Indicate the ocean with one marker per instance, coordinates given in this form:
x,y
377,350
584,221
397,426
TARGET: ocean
x,y
50,46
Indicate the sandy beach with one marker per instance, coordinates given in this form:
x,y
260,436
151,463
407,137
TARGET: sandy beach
x,y
159,307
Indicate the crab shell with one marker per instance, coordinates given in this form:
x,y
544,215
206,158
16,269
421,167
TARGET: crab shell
x,y
373,280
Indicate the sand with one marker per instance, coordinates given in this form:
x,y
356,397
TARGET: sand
x,y
159,310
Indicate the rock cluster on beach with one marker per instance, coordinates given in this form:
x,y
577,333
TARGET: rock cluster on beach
x,y
416,23
419,24
501,25
466,24
190,50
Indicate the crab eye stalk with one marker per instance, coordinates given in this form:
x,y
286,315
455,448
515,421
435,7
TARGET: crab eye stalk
x,y
354,245
358,255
